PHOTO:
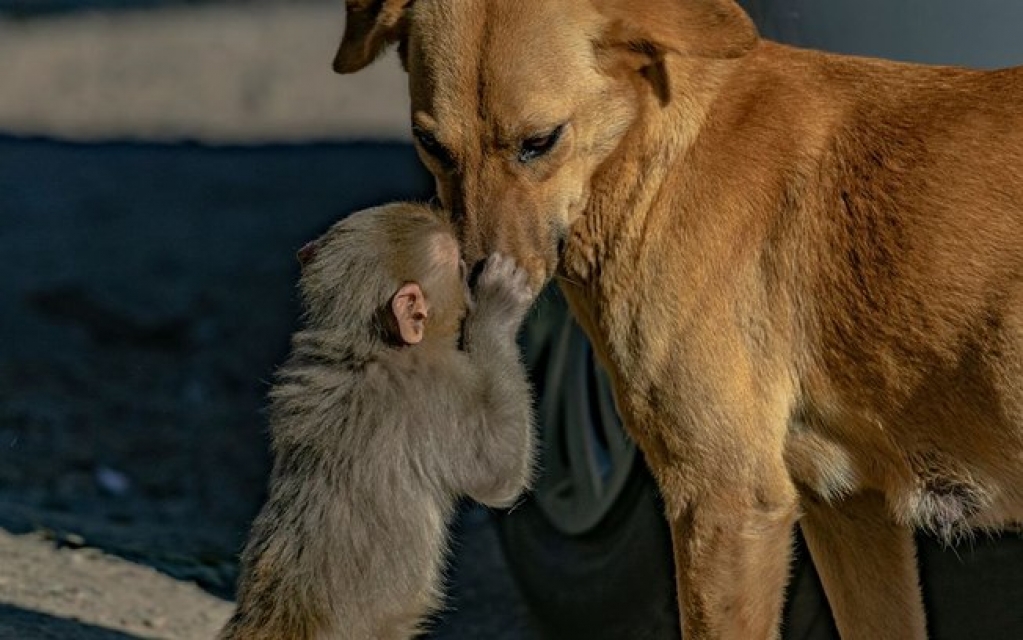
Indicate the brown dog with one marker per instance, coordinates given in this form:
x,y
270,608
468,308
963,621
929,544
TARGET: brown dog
x,y
804,272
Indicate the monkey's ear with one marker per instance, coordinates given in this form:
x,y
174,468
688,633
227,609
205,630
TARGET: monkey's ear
x,y
410,311
370,25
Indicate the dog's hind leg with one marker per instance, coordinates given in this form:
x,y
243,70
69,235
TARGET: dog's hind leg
x,y
867,564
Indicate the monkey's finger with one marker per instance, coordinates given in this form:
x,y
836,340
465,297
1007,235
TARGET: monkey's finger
x,y
496,269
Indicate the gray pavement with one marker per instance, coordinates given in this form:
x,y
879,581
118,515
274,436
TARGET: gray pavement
x,y
237,72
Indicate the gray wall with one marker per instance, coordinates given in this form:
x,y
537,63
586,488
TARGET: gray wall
x,y
977,33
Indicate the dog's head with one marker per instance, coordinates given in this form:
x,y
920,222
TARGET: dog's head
x,y
517,103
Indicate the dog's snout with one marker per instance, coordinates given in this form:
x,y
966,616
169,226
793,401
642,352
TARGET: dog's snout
x,y
457,212
453,198
560,234
462,221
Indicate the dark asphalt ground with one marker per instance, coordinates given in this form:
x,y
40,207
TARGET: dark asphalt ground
x,y
146,295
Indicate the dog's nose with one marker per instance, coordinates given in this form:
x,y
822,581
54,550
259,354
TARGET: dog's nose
x,y
474,273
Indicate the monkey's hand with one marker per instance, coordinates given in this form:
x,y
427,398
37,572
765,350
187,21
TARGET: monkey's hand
x,y
502,294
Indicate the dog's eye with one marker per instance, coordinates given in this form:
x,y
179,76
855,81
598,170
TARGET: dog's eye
x,y
433,147
533,148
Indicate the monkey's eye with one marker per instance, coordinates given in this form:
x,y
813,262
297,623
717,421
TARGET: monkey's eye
x,y
429,143
538,146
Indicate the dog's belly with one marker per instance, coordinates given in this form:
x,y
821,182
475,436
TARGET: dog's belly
x,y
925,488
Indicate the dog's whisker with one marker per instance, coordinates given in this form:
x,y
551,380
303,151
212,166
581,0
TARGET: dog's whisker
x,y
564,278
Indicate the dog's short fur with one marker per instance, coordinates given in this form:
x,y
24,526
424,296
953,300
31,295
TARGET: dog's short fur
x,y
804,272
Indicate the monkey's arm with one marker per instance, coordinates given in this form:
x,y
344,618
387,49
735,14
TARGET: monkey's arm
x,y
499,433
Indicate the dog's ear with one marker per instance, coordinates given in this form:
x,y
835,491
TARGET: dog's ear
x,y
370,25
700,28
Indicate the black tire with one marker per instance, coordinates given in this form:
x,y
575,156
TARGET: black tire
x,y
608,575
615,582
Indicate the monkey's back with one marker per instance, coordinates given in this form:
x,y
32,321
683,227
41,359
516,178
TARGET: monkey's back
x,y
349,485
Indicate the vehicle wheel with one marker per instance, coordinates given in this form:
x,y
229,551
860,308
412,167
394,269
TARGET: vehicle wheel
x,y
589,547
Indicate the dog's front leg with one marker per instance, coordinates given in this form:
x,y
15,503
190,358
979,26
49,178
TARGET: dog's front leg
x,y
732,551
867,564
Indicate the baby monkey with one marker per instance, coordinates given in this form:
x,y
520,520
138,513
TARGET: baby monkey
x,y
402,393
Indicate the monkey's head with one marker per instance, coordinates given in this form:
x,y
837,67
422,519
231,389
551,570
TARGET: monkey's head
x,y
392,273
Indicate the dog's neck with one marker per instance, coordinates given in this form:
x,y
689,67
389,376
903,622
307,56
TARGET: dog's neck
x,y
610,233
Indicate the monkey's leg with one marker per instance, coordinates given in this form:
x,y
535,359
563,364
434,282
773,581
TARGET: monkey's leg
x,y
867,565
732,552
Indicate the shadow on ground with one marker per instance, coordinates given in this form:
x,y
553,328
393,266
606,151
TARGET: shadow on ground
x,y
16,622
149,292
